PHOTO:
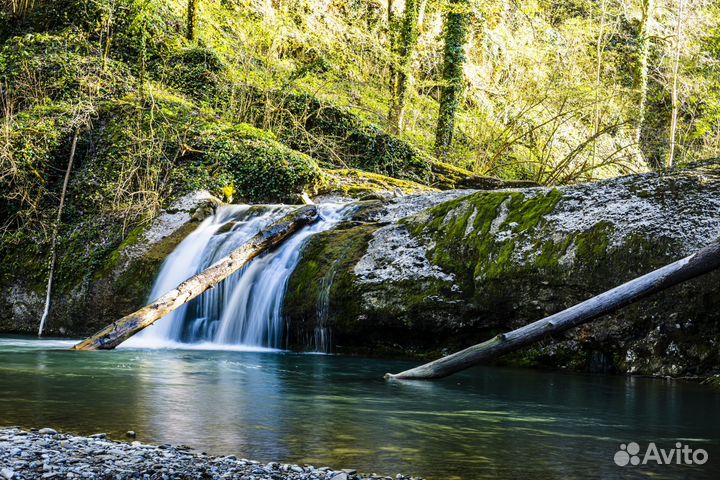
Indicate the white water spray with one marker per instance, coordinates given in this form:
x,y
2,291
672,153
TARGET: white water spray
x,y
245,310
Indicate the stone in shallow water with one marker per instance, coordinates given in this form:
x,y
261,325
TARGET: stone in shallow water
x,y
47,431
66,456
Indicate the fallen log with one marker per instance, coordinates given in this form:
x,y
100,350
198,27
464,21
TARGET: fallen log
x,y
120,330
701,262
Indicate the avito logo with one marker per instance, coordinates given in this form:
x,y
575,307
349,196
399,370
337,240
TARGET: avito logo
x,y
680,455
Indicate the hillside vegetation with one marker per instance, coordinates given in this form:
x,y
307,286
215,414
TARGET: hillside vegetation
x,y
259,101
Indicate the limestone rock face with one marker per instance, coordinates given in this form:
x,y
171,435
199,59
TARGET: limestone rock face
x,y
457,273
119,286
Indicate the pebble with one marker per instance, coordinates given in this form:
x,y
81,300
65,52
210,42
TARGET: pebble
x,y
51,455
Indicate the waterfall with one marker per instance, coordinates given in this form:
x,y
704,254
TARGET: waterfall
x,y
245,310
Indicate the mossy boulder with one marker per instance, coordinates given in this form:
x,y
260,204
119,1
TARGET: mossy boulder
x,y
340,139
464,270
259,168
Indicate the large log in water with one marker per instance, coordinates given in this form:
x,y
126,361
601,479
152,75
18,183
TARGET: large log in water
x,y
119,331
703,261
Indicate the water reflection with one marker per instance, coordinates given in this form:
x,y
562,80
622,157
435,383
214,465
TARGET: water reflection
x,y
330,410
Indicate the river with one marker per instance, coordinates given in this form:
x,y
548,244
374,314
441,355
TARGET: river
x,y
331,410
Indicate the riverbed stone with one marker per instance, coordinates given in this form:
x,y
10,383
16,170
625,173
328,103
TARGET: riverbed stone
x,y
69,456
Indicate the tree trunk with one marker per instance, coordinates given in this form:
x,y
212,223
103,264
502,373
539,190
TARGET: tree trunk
x,y
598,77
703,261
19,8
56,227
192,11
119,331
403,54
640,81
676,71
456,29
421,14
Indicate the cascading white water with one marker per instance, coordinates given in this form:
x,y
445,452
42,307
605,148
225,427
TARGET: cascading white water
x,y
245,310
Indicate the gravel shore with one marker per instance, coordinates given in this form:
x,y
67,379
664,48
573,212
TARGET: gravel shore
x,y
48,454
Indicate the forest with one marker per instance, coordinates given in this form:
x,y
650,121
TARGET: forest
x,y
268,205
551,92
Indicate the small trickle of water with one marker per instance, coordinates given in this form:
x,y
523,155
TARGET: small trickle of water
x,y
322,341
246,308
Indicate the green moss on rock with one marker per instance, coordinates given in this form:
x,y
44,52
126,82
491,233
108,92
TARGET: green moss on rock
x,y
357,183
328,260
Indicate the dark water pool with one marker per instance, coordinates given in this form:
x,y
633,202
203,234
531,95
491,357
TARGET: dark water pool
x,y
338,411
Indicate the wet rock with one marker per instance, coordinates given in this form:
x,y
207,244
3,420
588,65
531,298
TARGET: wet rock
x,y
393,254
121,283
445,276
47,431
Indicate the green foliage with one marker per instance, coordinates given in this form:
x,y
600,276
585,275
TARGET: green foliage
x,y
195,71
158,115
258,167
173,148
535,86
455,33
339,138
60,67
32,144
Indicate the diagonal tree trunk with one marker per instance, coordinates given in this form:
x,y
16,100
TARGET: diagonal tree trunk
x,y
702,262
119,331
53,247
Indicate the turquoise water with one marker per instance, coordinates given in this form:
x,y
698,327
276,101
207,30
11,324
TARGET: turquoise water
x,y
338,411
